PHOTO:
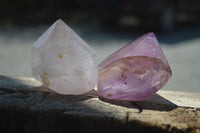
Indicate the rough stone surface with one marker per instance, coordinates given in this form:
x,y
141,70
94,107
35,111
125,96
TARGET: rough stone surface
x,y
26,106
62,61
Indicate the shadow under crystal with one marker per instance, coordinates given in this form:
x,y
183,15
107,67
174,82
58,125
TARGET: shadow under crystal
x,y
155,102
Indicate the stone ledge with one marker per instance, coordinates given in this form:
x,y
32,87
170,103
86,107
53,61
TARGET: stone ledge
x,y
26,106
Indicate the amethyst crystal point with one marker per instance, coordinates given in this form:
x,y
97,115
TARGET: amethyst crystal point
x,y
135,72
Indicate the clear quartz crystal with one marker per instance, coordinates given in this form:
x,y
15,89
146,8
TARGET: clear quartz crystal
x,y
62,61
135,72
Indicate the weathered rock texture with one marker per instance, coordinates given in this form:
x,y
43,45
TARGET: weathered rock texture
x,y
26,106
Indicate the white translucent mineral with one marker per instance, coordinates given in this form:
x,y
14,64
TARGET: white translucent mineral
x,y
63,62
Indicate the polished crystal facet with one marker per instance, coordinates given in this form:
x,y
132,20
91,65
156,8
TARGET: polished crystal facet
x,y
135,72
62,61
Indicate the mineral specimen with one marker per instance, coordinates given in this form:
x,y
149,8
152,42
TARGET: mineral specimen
x,y
135,72
62,61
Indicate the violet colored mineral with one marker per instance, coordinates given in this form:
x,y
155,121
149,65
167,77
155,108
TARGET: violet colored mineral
x,y
135,72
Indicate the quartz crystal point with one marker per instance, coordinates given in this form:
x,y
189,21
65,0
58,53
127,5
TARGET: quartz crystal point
x,y
135,72
62,61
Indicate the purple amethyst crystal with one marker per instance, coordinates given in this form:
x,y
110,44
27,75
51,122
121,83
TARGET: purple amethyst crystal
x,y
135,72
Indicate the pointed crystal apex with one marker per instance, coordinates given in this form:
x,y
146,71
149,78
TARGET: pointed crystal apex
x,y
146,45
135,72
58,31
63,61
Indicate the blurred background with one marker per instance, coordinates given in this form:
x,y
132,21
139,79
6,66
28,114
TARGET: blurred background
x,y
106,25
